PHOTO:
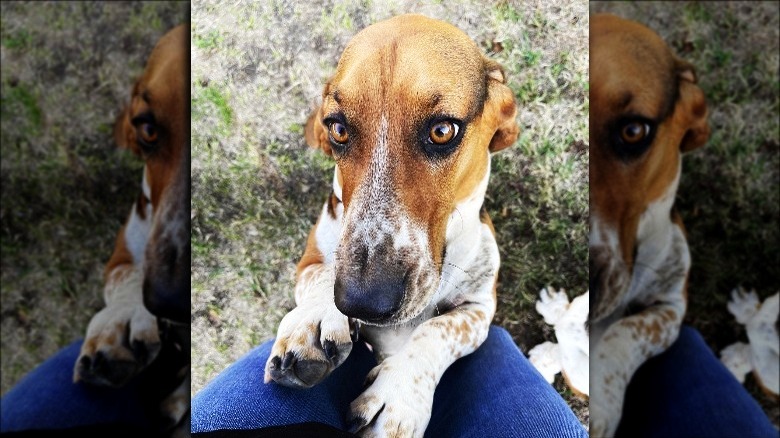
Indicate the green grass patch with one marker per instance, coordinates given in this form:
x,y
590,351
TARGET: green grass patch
x,y
209,41
16,40
22,103
218,99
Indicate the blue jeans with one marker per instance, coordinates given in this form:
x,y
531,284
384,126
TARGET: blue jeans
x,y
493,392
48,399
697,397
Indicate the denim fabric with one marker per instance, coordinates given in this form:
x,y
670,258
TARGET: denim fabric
x,y
47,398
494,392
698,397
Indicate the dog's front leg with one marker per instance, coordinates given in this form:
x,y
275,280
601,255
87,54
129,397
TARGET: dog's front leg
x,y
314,338
629,342
122,338
399,395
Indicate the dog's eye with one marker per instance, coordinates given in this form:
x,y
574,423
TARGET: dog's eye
x,y
338,133
634,132
147,133
442,132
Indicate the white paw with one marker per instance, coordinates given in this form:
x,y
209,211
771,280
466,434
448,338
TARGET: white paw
x,y
396,404
736,357
552,305
743,305
121,340
546,358
311,342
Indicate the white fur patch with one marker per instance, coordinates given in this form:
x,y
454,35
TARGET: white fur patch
x,y
137,233
328,232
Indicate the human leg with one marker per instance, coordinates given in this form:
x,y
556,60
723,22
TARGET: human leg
x,y
238,399
496,392
47,398
686,391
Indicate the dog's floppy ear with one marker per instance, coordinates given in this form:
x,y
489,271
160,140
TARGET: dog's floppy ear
x,y
315,134
500,106
694,107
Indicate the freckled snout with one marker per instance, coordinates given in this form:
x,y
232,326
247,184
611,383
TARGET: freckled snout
x,y
370,287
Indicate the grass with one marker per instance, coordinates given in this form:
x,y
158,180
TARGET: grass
x,y
728,194
66,189
257,188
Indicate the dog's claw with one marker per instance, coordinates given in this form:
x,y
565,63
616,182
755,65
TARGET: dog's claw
x,y
356,423
354,330
288,362
331,351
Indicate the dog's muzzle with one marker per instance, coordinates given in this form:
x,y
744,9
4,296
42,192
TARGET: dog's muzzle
x,y
371,288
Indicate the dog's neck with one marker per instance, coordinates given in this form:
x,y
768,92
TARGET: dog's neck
x,y
662,259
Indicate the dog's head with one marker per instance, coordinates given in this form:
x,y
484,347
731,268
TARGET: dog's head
x,y
410,117
155,125
645,110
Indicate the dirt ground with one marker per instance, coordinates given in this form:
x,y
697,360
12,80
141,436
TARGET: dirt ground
x,y
258,70
728,195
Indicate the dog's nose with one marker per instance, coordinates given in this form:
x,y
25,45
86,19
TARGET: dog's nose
x,y
370,298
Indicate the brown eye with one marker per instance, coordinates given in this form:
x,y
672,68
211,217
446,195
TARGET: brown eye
x,y
338,132
147,133
443,132
634,132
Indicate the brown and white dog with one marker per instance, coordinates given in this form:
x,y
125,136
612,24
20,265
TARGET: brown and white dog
x,y
646,110
402,246
148,274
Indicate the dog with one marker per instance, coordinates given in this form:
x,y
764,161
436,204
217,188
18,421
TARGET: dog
x,y
646,111
147,276
403,252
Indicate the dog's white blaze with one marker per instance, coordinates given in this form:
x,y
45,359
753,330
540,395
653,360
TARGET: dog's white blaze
x,y
375,215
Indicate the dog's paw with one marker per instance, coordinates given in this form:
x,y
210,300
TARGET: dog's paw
x,y
121,341
603,422
310,344
396,403
606,402
552,305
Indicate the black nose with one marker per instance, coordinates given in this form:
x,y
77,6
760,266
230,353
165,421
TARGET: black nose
x,y
370,298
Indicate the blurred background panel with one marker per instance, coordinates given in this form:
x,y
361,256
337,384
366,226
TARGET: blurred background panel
x,y
67,70
729,195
